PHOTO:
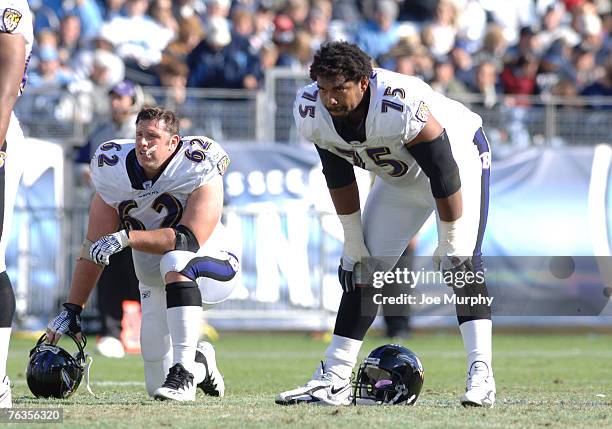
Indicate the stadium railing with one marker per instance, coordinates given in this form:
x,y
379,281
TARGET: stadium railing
x,y
267,115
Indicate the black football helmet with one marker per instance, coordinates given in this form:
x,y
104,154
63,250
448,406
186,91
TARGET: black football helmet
x,y
52,371
391,374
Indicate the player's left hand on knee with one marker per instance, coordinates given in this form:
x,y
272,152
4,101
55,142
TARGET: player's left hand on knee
x,y
101,251
345,275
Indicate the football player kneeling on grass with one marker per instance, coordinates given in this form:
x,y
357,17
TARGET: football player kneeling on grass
x,y
161,194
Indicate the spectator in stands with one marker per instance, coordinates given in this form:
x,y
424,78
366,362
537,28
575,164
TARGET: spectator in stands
x,y
603,86
417,10
137,38
527,46
472,22
191,33
113,9
161,12
263,26
69,38
188,8
125,102
300,53
519,78
220,61
463,63
172,76
552,27
378,36
444,80
88,12
49,74
218,8
243,26
443,28
268,58
317,25
493,48
485,83
297,11
586,69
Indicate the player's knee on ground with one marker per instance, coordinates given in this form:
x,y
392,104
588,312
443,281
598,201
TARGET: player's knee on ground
x,y
214,274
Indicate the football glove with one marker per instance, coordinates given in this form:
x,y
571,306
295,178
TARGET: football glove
x,y
101,251
69,320
453,246
353,252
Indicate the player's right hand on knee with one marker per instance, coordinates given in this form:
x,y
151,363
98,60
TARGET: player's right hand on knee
x,y
69,320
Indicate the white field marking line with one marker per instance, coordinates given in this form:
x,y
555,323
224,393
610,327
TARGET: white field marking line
x,y
96,383
232,355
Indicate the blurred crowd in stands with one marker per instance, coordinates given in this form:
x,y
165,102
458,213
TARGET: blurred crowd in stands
x,y
488,47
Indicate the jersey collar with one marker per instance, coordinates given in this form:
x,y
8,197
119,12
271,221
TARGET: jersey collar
x,y
136,173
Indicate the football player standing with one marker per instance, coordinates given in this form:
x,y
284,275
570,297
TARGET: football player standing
x,y
16,37
165,194
430,154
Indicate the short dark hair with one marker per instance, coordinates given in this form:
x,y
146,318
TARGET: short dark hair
x,y
160,114
341,58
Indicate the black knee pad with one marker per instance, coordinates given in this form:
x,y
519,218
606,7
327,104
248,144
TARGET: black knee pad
x,y
183,294
471,303
7,301
356,313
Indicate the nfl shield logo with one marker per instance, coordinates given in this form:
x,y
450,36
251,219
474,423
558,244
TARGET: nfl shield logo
x,y
11,18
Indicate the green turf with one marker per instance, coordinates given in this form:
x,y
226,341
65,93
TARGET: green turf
x,y
543,381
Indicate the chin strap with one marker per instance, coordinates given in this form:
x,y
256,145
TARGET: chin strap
x,y
87,385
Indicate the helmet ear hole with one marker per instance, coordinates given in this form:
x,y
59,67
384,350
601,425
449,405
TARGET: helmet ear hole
x,y
390,374
53,372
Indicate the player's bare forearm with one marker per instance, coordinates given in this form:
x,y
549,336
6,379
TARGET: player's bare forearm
x,y
84,279
345,199
451,207
12,50
157,241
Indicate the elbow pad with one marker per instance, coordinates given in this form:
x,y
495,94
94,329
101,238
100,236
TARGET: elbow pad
x,y
185,239
436,160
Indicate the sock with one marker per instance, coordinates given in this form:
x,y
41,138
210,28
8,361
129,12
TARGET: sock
x,y
341,355
184,317
7,311
477,335
5,337
156,372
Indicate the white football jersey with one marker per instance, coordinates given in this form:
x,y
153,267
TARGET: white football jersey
x,y
17,19
398,110
144,204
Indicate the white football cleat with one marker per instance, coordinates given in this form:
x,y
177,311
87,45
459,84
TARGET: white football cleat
x,y
110,347
6,400
480,389
325,388
213,383
179,386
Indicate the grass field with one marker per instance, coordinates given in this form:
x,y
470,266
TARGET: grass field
x,y
543,381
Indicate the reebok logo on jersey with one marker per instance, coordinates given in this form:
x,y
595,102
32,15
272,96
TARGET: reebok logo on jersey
x,y
11,18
